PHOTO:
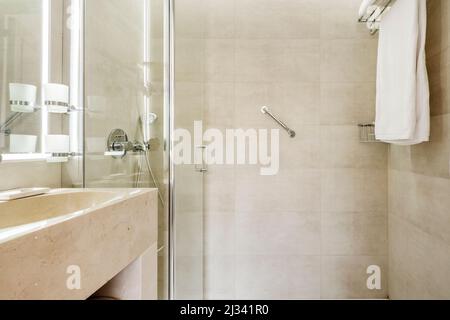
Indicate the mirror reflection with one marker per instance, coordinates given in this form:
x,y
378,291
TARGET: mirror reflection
x,y
33,95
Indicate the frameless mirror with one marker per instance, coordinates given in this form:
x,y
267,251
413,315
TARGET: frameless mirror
x,y
33,96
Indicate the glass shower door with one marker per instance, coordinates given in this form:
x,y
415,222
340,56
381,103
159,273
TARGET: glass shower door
x,y
188,249
127,87
188,204
124,89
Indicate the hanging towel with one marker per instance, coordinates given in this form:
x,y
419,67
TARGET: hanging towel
x,y
403,94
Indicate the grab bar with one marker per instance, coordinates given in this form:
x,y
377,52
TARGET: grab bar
x,y
4,126
266,110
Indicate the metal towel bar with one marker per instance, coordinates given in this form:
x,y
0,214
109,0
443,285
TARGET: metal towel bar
x,y
266,110
374,15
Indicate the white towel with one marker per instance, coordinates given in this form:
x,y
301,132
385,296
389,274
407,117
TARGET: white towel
x,y
403,108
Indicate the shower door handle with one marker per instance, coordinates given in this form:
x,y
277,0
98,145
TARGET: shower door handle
x,y
203,167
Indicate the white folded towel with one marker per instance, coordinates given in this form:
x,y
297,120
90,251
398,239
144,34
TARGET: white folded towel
x,y
403,94
365,7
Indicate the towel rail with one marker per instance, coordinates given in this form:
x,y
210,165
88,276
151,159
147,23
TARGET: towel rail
x,y
265,110
374,16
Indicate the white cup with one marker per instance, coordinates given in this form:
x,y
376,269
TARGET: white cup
x,y
19,143
56,97
22,97
57,143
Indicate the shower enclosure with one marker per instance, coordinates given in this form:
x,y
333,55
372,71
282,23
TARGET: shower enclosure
x,y
316,227
286,203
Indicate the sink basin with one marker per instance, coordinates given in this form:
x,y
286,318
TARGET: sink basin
x,y
19,216
101,231
19,212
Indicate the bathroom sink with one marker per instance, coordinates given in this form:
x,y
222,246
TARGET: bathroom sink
x,y
99,231
19,216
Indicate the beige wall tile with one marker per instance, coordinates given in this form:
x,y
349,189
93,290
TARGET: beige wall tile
x,y
277,60
219,190
250,97
438,35
398,265
420,267
219,19
219,277
278,234
282,19
354,190
422,201
345,277
190,104
303,277
289,191
348,60
347,103
277,277
433,158
340,148
354,234
190,60
439,78
219,104
189,185
191,269
220,235
303,151
188,228
190,19
428,271
219,63
400,158
297,102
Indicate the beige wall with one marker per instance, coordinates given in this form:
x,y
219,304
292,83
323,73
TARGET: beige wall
x,y
312,230
419,185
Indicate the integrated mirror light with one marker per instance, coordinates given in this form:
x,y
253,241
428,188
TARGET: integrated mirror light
x,y
75,25
146,70
45,71
45,75
76,68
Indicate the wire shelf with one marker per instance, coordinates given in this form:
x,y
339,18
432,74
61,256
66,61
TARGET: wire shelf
x,y
367,133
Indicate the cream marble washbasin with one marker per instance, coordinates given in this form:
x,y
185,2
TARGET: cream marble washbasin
x,y
101,231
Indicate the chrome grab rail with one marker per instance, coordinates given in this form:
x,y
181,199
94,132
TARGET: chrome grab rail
x,y
4,127
266,110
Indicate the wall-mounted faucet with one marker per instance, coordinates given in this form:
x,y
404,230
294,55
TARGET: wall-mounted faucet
x,y
119,145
